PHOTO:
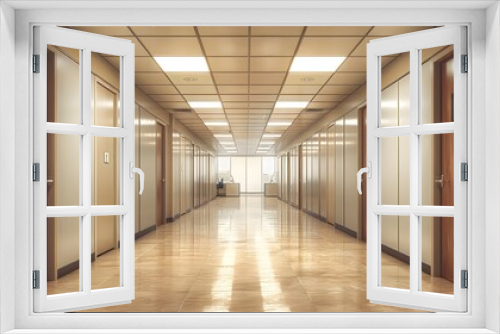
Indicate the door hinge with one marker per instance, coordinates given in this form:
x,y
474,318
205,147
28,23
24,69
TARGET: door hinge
x,y
464,171
465,64
36,63
465,279
36,279
36,172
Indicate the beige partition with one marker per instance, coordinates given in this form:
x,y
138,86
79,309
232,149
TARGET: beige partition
x,y
176,182
331,184
352,213
280,181
323,174
148,165
339,172
315,174
196,176
284,178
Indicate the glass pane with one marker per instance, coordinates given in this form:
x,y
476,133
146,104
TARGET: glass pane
x,y
106,111
395,249
437,85
395,95
437,169
105,171
437,254
63,85
268,169
63,255
395,170
63,170
106,252
224,168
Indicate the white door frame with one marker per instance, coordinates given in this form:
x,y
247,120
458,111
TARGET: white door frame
x,y
474,18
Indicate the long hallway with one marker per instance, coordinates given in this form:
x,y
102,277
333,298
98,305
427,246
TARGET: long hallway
x,y
249,254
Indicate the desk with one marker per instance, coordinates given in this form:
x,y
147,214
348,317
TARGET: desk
x,y
232,189
271,189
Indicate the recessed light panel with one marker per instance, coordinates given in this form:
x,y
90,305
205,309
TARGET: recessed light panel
x,y
205,104
316,64
279,123
221,123
291,104
182,64
271,135
223,135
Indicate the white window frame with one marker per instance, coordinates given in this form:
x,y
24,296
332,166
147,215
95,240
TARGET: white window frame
x,y
483,311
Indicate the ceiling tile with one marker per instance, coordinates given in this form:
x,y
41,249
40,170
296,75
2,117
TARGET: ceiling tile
x,y
337,31
360,50
167,98
330,98
108,31
322,105
327,46
225,46
260,111
263,98
235,105
231,78
236,111
270,64
164,31
336,90
354,64
202,79
235,64
260,105
201,97
287,111
174,105
307,78
172,46
301,89
347,79
196,89
146,64
151,79
390,31
295,97
233,89
264,89
231,98
273,46
223,31
276,31
158,89
203,111
267,78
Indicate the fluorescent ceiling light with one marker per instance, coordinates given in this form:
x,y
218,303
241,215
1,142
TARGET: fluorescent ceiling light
x,y
316,64
223,135
182,64
291,104
226,142
279,123
205,104
267,142
271,135
222,123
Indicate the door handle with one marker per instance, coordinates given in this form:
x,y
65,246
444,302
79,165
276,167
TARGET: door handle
x,y
368,171
134,170
440,181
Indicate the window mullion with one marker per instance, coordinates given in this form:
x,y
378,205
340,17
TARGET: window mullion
x,y
414,168
85,179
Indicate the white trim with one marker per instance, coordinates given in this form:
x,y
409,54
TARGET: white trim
x,y
308,322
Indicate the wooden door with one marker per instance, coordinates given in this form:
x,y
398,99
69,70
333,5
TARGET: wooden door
x,y
160,176
447,169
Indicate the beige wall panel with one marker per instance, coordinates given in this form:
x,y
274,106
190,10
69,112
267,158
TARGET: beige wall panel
x,y
323,174
351,166
66,158
389,166
148,165
404,164
176,182
182,175
331,175
280,181
315,174
309,181
339,171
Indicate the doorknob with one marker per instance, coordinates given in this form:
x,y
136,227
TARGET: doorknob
x,y
132,171
368,171
440,181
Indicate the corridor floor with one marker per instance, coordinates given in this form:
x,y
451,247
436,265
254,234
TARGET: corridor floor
x,y
250,254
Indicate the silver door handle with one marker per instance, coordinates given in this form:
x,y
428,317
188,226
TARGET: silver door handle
x,y
440,181
134,170
368,171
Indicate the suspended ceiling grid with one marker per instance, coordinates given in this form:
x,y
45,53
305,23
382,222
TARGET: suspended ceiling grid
x,y
249,73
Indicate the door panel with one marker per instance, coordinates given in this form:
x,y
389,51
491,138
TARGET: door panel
x,y
402,211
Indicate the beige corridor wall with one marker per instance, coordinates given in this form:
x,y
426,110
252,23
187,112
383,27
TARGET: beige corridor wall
x,y
351,167
148,166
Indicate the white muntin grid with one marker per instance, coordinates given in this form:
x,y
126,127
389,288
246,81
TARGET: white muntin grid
x,y
414,43
86,43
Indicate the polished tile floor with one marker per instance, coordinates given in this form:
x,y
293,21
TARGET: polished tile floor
x,y
249,254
